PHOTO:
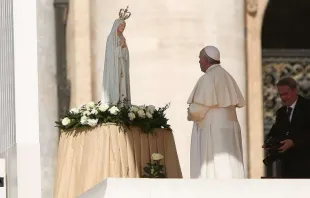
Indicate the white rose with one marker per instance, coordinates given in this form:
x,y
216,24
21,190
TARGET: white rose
x,y
157,156
141,113
134,109
149,115
65,121
92,122
131,116
90,105
103,107
74,111
86,113
83,120
151,109
94,112
114,110
142,107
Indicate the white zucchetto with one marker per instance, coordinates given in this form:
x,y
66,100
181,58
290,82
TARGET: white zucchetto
x,y
212,52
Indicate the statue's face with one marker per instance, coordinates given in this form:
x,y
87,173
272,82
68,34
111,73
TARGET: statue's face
x,y
121,27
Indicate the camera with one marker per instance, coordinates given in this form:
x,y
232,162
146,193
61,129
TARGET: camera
x,y
273,144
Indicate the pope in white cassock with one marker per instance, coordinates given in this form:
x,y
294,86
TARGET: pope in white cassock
x,y
216,147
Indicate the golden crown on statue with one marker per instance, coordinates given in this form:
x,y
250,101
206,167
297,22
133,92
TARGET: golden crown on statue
x,y
124,14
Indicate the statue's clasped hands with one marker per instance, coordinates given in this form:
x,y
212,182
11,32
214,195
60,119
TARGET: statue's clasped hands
x,y
123,43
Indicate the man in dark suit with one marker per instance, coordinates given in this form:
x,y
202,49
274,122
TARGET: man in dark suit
x,y
293,123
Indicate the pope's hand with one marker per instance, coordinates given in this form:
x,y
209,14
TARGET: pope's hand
x,y
188,115
287,144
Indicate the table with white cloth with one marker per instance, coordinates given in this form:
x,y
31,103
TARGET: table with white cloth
x,y
88,156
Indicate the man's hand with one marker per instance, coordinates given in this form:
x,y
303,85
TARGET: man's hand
x,y
266,148
287,144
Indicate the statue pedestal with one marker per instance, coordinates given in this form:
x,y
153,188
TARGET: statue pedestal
x,y
198,188
87,157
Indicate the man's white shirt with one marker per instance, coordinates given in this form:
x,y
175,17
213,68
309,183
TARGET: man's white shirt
x,y
293,107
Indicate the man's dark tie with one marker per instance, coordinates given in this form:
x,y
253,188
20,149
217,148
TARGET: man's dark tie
x,y
289,111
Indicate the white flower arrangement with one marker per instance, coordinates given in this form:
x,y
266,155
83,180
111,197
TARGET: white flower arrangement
x,y
92,114
157,156
66,121
154,169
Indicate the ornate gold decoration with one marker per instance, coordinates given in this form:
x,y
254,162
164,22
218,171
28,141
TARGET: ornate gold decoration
x,y
124,14
252,6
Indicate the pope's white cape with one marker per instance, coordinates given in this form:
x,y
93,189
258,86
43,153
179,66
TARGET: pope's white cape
x,y
216,146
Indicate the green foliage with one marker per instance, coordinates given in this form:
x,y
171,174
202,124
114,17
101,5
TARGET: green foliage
x,y
154,170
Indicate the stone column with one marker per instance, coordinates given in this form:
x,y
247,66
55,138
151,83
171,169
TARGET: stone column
x,y
48,97
164,40
7,101
28,97
25,170
254,18
79,52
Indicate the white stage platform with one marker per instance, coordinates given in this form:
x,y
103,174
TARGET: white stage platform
x,y
195,188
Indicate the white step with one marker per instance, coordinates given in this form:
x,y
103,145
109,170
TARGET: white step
x,y
196,188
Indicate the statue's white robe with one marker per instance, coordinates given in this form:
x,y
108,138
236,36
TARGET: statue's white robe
x,y
116,78
216,147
